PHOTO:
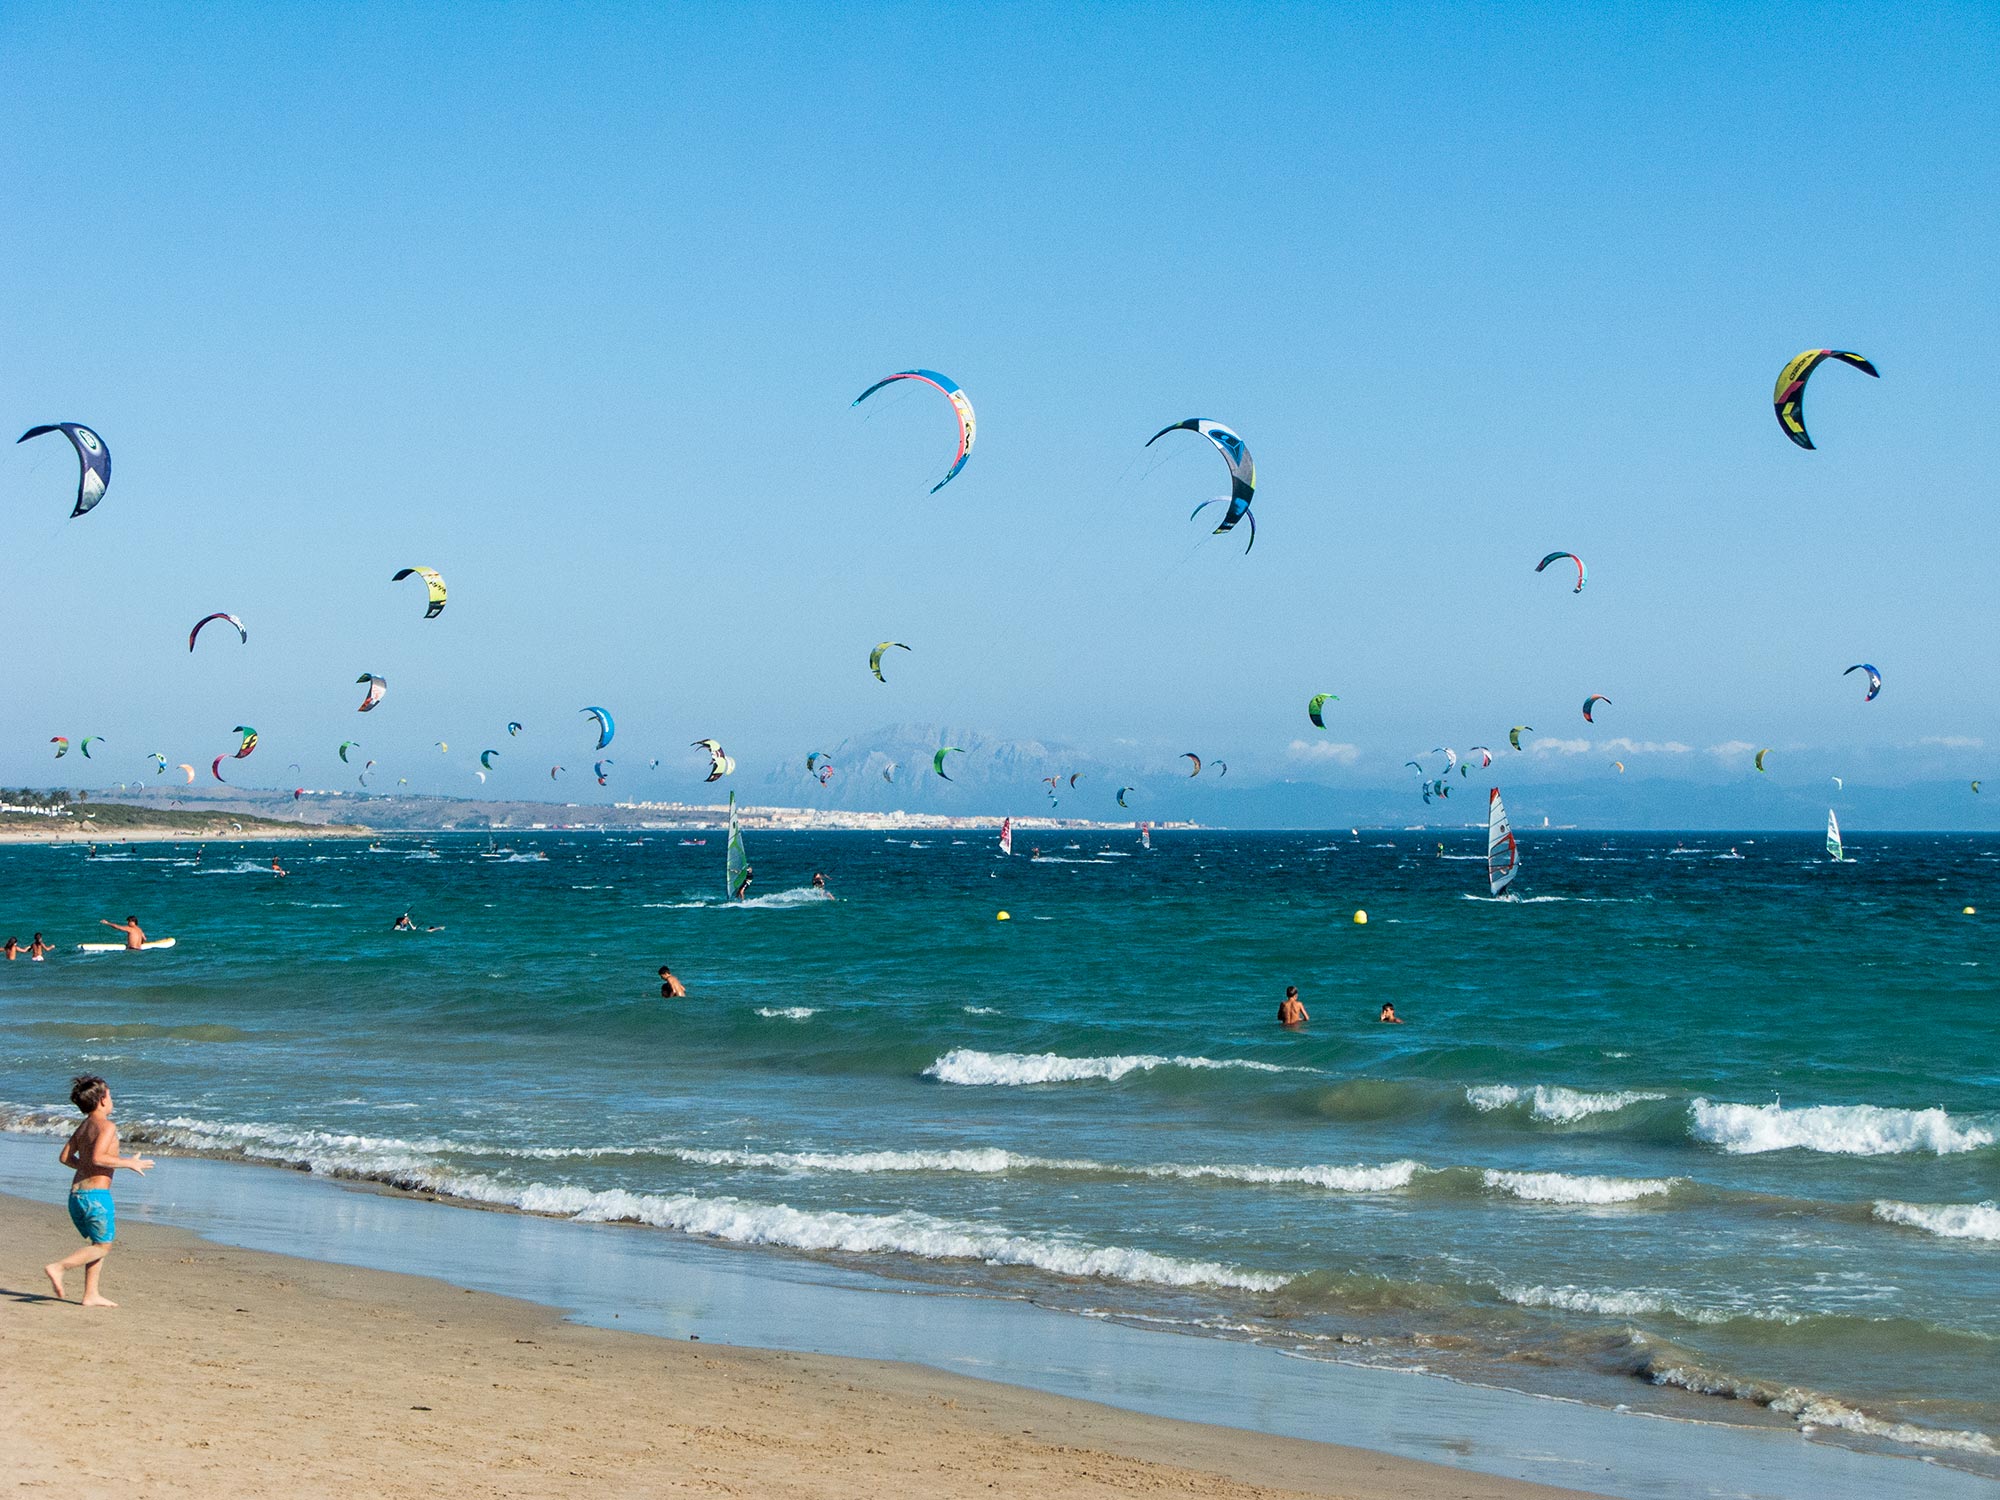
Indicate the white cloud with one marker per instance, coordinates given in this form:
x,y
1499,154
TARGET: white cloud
x,y
1332,750
1560,747
1952,741
1646,747
1732,747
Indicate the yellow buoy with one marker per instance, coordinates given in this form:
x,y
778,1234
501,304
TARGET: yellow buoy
x,y
1970,912
1002,917
1361,919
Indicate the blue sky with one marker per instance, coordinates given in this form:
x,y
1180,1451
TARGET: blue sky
x,y
570,303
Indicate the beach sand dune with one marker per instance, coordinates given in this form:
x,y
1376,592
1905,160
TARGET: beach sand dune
x,y
233,1372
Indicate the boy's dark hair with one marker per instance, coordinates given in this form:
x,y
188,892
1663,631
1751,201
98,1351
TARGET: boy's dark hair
x,y
1290,990
87,1091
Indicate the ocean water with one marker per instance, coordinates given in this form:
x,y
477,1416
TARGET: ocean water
x,y
1709,1127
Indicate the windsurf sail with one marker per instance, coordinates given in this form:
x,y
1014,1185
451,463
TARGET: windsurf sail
x,y
1145,835
1503,855
737,876
1006,835
1833,836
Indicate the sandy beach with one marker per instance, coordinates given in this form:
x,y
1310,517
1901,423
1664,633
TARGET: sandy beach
x,y
230,1371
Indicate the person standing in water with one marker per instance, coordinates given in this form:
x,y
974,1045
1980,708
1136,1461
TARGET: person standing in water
x,y
135,939
1389,1016
670,987
37,950
1292,1012
92,1156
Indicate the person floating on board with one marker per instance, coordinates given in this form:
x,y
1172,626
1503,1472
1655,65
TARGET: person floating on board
x,y
1389,1016
670,987
92,1156
1292,1011
134,938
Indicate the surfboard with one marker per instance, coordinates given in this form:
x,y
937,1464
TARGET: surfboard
x,y
121,948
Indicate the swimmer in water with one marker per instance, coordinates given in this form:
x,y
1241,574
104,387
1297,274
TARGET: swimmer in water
x,y
37,950
1389,1016
1292,1012
13,949
135,939
670,987
404,924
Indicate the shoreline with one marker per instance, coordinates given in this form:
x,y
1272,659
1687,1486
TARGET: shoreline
x,y
694,1288
406,1385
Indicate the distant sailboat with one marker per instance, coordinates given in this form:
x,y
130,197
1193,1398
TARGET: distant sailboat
x,y
737,869
1006,835
1503,855
1833,849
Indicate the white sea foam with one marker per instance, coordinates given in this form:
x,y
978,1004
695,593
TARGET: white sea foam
x,y
905,1233
1953,1221
1618,1304
980,1010
1559,1187
787,1012
1356,1179
1835,1129
966,1066
1562,1106
1810,1408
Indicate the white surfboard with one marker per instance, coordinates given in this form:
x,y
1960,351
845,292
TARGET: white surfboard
x,y
121,948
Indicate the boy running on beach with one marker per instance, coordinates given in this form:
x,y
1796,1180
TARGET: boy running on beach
x,y
92,1154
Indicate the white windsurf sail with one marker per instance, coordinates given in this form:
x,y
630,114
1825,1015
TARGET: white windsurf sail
x,y
737,868
1503,855
1146,835
1006,835
1833,836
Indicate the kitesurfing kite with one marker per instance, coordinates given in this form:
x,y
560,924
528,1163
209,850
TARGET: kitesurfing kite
x,y
432,582
937,761
249,740
554,771
1594,698
1840,785
1790,395
1619,766
184,766
719,764
88,740
94,458
1582,573
599,772
1975,786
443,748
215,768
875,657
967,425
1514,734
1760,756
486,758
1485,756
482,777
1190,755
61,742
159,762
1222,768
1320,701
208,619
1242,469
1121,795
513,727
377,686
1874,679
605,728
1450,758
889,773
345,746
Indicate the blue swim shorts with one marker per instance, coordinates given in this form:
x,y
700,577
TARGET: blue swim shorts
x,y
91,1211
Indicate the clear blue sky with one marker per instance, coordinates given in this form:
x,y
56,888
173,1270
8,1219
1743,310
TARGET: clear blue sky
x,y
570,302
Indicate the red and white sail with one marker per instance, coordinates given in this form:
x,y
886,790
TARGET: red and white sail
x,y
1503,855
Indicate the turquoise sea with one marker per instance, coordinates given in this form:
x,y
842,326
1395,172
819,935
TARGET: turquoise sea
x,y
1705,1126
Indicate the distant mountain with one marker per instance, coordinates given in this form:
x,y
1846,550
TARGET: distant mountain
x,y
993,774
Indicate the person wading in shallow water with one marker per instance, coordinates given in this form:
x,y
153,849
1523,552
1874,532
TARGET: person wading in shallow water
x,y
670,987
1292,1012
